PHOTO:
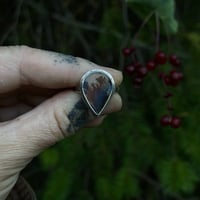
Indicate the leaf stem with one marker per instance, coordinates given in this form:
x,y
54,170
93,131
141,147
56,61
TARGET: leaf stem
x,y
157,31
143,24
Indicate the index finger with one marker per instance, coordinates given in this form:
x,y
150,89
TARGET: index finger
x,y
29,66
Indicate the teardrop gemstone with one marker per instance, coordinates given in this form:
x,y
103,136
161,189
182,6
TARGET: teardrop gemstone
x,y
97,87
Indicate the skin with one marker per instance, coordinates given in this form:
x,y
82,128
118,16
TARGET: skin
x,y
40,105
78,116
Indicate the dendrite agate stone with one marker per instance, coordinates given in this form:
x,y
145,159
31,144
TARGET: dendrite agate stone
x,y
97,89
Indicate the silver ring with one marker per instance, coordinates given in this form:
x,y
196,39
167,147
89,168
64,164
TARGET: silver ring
x,y
97,87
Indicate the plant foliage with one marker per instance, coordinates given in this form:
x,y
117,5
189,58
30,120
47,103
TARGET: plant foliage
x,y
130,156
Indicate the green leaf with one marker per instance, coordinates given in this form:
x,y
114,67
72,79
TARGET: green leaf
x,y
195,39
177,175
103,188
112,25
122,185
58,185
49,158
125,185
165,10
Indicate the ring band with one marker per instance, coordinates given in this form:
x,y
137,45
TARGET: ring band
x,y
97,87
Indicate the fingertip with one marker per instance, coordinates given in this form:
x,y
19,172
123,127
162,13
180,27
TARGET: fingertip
x,y
114,105
118,76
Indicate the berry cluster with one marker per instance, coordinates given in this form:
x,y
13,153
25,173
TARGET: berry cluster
x,y
137,71
167,120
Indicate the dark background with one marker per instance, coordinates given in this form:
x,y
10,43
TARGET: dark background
x,y
130,156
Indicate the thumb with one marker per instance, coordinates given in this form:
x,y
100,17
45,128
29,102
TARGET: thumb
x,y
26,136
56,118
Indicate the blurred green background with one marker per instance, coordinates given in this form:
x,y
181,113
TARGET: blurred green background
x,y
130,156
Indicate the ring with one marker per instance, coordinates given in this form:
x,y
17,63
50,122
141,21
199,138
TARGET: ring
x,y
97,87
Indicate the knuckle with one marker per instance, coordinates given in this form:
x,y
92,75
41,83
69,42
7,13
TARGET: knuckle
x,y
61,122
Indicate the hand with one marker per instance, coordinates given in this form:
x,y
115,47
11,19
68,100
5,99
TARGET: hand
x,y
38,105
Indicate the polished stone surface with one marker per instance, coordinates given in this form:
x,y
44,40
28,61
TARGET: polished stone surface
x,y
97,90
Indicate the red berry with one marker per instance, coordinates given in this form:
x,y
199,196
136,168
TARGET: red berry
x,y
129,69
180,76
151,65
168,95
128,51
160,58
142,72
167,80
175,77
165,120
137,80
175,122
137,65
161,75
174,60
